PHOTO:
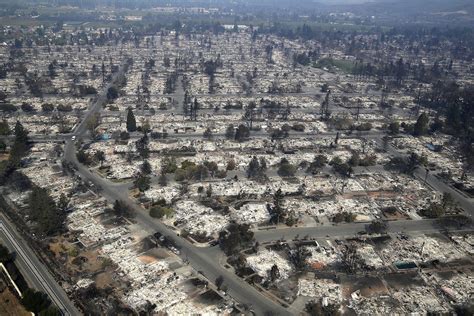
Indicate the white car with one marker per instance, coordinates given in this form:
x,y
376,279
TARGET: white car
x,y
73,138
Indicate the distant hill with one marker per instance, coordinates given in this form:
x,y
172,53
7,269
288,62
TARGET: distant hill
x,y
415,6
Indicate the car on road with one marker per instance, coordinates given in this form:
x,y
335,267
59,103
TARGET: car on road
x,y
73,138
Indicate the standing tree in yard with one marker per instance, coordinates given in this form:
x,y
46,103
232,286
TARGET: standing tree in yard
x,y
20,145
434,210
219,281
162,180
44,211
277,212
421,125
235,237
121,209
4,128
142,183
448,202
377,227
142,147
5,254
285,169
21,134
63,203
131,122
92,123
146,168
35,301
230,132
207,133
299,255
100,156
112,93
274,273
242,133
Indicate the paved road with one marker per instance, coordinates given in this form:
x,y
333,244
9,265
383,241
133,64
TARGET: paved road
x,y
33,270
346,230
375,134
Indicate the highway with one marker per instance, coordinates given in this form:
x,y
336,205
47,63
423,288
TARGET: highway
x,y
33,270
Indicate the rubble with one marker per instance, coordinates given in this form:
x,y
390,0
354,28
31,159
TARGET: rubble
x,y
263,261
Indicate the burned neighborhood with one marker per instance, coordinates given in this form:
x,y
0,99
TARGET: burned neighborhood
x,y
236,157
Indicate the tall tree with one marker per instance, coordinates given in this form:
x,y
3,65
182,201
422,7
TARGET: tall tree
x,y
145,168
21,134
45,212
4,128
421,125
100,156
131,121
230,132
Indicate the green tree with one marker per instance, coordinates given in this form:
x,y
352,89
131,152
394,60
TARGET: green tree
x,y
256,168
83,157
163,180
21,134
299,256
5,254
99,156
4,128
142,147
47,107
394,128
219,281
274,273
131,122
50,311
45,212
142,183
354,161
318,162
435,210
235,237
230,132
112,93
160,211
448,202
277,212
145,168
242,133
421,125
92,123
63,203
286,169
35,301
207,133
121,209
377,227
